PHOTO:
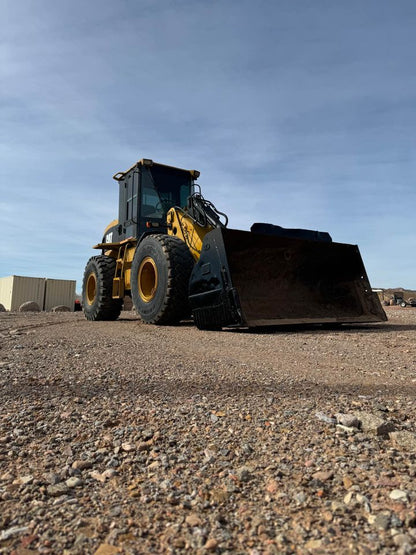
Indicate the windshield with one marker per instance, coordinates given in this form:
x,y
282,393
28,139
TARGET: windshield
x,y
163,188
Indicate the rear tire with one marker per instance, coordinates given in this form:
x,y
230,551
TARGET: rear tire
x,y
160,274
97,289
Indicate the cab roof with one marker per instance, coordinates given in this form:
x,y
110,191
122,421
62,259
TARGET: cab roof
x,y
149,163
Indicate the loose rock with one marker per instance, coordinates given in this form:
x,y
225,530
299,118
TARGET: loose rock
x,y
374,424
399,495
73,482
404,439
60,308
29,306
57,490
348,420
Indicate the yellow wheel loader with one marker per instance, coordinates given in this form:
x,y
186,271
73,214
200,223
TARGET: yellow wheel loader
x,y
171,251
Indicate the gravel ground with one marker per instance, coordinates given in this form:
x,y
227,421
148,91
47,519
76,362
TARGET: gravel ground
x,y
118,437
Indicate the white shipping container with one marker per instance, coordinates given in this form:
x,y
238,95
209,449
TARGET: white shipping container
x,y
16,290
59,292
6,288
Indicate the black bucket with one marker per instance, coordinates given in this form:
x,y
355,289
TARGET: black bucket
x,y
251,279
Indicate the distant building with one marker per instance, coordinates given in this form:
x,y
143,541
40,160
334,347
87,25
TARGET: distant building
x,y
47,293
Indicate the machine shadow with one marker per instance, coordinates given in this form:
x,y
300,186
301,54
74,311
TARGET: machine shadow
x,y
295,328
325,328
135,388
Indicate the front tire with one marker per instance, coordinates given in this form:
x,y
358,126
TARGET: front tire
x,y
97,289
160,274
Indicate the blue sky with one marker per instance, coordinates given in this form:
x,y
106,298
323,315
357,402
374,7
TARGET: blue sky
x,y
299,113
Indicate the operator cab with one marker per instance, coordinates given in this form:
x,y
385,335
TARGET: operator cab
x,y
147,191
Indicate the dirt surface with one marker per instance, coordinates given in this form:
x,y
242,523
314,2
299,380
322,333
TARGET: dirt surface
x,y
118,437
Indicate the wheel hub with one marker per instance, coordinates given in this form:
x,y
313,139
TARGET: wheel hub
x,y
147,280
91,288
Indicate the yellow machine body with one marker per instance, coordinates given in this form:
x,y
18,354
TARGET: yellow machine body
x,y
182,226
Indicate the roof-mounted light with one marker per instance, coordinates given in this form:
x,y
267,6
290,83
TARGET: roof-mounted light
x,y
195,173
147,162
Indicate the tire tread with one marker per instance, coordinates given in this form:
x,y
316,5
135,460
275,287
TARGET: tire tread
x,y
179,262
106,308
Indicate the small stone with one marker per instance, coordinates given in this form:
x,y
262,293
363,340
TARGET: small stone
x,y
337,506
382,520
348,420
73,482
98,476
272,486
193,520
115,511
53,478
165,484
211,544
374,424
402,539
106,549
57,490
127,447
349,497
243,474
313,544
399,495
144,446
328,516
109,473
14,531
323,476
324,418
219,495
281,539
67,450
209,456
404,439
362,498
348,430
172,499
300,497
347,482
82,465
412,533
247,448
27,540
148,434
29,306
364,501
60,308
395,521
23,480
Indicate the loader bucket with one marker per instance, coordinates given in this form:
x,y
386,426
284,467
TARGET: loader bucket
x,y
246,279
